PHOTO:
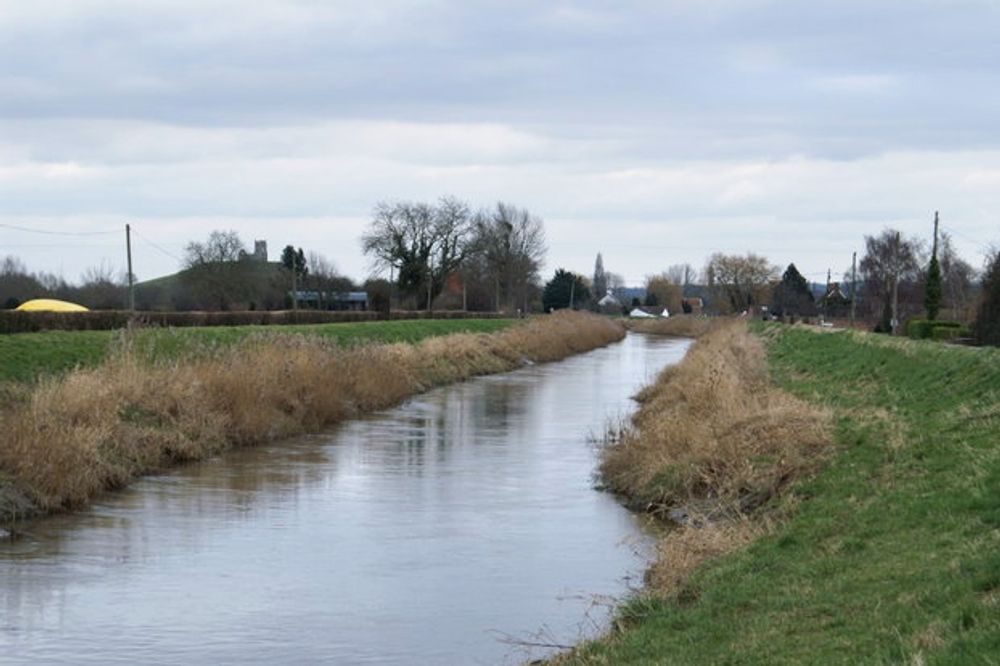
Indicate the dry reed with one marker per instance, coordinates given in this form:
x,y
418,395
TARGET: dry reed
x,y
712,440
683,326
713,427
91,430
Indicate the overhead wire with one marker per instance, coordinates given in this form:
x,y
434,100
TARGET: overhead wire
x,y
49,232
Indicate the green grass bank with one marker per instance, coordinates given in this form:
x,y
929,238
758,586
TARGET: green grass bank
x,y
24,357
890,554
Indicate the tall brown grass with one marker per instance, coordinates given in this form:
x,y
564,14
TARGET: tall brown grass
x,y
712,440
92,430
714,427
684,326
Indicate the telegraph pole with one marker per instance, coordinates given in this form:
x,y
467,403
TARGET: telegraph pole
x,y
572,290
295,287
935,234
854,285
131,277
826,297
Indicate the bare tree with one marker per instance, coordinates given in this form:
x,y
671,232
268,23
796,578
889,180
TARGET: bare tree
x,y
664,291
324,277
101,288
17,284
893,284
740,281
510,241
218,272
682,274
422,244
958,277
221,246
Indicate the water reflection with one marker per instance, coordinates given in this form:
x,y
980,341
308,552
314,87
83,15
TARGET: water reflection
x,y
416,535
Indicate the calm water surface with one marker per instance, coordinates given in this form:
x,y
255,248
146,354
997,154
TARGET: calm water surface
x,y
441,532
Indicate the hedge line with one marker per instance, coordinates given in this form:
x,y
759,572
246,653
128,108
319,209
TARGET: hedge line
x,y
14,321
923,329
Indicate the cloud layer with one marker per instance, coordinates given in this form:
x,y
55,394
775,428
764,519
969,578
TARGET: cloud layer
x,y
653,132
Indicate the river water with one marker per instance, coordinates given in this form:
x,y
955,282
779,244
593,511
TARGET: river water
x,y
454,529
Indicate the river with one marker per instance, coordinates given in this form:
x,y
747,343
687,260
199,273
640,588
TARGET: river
x,y
457,528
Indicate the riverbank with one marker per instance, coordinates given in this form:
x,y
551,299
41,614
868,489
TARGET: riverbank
x,y
24,357
72,437
882,547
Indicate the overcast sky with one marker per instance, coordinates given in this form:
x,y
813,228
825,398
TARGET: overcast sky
x,y
655,132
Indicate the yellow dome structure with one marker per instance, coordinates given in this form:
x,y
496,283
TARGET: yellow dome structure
x,y
50,305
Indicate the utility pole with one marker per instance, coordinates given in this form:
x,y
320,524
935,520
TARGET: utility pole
x,y
935,234
826,296
430,282
895,286
854,285
572,290
131,277
295,288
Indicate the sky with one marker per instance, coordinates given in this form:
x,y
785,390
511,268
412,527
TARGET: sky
x,y
654,132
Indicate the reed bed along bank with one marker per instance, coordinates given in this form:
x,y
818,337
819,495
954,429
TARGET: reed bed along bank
x,y
712,440
682,326
95,429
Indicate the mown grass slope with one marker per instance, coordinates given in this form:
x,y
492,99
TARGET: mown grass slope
x,y
26,356
891,553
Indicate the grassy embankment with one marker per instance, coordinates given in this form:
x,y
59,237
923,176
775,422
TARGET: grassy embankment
x,y
70,437
27,356
887,552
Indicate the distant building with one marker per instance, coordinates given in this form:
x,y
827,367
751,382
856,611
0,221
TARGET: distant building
x,y
260,251
692,305
331,300
609,304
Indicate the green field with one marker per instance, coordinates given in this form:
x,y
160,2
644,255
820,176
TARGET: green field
x,y
892,553
24,357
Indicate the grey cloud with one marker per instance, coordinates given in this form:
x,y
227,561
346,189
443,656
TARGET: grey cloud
x,y
664,67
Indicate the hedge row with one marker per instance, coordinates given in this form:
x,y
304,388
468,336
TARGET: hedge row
x,y
924,329
15,321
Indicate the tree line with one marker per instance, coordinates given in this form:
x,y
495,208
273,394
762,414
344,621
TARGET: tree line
x,y
491,256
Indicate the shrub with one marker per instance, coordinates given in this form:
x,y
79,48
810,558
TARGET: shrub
x,y
950,332
923,329
13,321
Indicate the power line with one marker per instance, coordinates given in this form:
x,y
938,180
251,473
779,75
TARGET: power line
x,y
49,232
156,246
982,246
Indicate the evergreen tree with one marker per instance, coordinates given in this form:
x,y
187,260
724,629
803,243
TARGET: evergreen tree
x,y
600,278
988,321
563,288
793,296
932,287
294,260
